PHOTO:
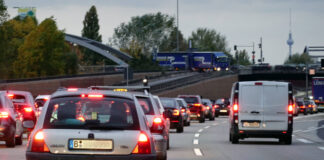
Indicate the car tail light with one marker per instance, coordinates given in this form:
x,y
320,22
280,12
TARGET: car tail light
x,y
72,89
236,105
10,95
95,96
28,109
197,104
183,110
143,145
4,114
309,106
175,112
302,106
216,106
38,144
207,108
157,126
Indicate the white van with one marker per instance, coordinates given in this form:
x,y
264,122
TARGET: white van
x,y
261,109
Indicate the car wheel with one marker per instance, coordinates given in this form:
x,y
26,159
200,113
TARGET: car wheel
x,y
168,143
216,115
235,139
230,137
19,140
189,123
10,142
305,113
180,129
288,139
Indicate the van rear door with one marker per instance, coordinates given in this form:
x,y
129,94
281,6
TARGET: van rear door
x,y
250,106
275,106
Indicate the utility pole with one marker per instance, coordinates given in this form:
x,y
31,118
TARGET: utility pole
x,y
261,54
177,25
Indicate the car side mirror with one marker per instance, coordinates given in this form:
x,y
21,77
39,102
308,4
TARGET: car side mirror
x,y
28,124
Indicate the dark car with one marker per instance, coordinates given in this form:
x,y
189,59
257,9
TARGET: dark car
x,y
223,105
11,129
302,107
197,109
185,111
209,106
173,112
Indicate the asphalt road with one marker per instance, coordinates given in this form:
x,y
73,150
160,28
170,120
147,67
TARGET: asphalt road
x,y
210,141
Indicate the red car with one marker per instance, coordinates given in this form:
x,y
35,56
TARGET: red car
x,y
24,104
197,109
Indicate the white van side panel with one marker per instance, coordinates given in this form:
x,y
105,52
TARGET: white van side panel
x,y
275,107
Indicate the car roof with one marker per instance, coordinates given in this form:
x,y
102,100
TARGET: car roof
x,y
80,91
18,92
42,96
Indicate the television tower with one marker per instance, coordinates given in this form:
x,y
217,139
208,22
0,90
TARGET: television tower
x,y
290,41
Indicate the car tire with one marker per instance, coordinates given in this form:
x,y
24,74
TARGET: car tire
x,y
288,139
235,139
10,142
305,113
180,129
189,123
168,143
19,140
216,115
230,137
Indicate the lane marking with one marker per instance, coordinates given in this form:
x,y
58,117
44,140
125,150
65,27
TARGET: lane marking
x,y
305,141
200,130
297,131
315,115
195,141
197,135
198,152
321,148
313,129
207,127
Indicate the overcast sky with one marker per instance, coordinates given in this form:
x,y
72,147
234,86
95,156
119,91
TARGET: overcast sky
x,y
241,21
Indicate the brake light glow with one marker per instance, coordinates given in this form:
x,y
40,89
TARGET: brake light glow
x,y
235,107
207,107
95,96
216,106
83,95
197,104
176,112
10,95
143,145
4,114
157,120
290,108
302,106
28,109
183,110
38,144
72,89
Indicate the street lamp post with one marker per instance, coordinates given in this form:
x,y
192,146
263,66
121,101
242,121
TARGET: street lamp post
x,y
177,25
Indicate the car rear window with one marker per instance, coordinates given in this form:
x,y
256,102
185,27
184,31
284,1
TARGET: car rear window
x,y
18,98
39,102
168,103
85,113
191,99
206,101
146,105
220,101
300,103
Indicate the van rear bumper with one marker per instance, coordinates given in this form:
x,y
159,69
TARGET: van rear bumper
x,y
262,134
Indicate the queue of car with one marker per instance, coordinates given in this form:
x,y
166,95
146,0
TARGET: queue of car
x,y
118,122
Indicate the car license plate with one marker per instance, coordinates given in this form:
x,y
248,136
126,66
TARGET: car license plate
x,y
89,144
193,116
223,111
251,124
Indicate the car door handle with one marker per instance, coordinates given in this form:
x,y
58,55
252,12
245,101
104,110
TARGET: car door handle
x,y
255,112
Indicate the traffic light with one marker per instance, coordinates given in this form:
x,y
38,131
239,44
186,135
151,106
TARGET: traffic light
x,y
235,47
322,63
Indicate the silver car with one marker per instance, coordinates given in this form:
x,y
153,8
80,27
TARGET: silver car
x,y
91,124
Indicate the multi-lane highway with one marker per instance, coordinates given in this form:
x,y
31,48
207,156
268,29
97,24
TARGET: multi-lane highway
x,y
210,141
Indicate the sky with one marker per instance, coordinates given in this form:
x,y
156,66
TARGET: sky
x,y
242,22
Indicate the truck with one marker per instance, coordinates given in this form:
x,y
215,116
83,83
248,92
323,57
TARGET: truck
x,y
197,61
318,92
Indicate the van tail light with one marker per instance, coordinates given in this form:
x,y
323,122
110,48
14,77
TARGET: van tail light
x,y
176,112
235,108
38,143
290,109
183,110
157,126
4,114
143,145
28,109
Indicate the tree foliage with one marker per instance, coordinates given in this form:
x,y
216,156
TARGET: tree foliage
x,y
3,12
43,52
299,59
91,31
144,32
209,40
242,57
169,42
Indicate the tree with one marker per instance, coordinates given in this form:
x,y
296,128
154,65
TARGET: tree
x,y
169,42
91,31
145,32
242,57
3,12
209,40
43,52
12,35
299,59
